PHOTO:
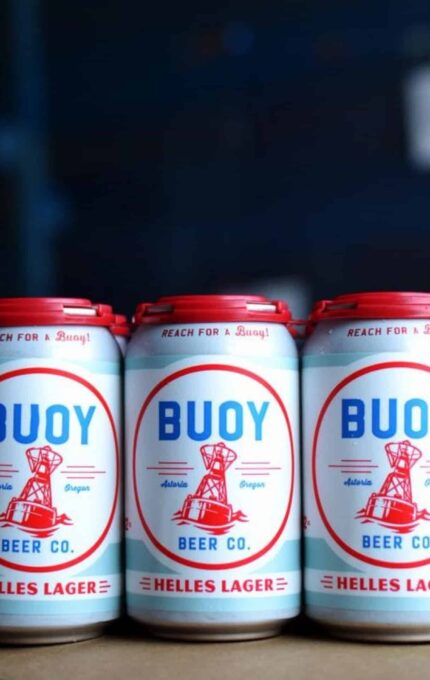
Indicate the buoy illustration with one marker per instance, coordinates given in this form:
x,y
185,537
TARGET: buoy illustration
x,y
33,508
394,503
208,507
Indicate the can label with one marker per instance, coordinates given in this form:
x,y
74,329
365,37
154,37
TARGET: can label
x,y
59,481
367,471
213,486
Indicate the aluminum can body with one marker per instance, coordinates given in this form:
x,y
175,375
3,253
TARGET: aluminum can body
x,y
366,386
59,471
121,330
212,516
122,343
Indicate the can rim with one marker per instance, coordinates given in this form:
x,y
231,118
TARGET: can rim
x,y
53,311
372,305
121,326
177,309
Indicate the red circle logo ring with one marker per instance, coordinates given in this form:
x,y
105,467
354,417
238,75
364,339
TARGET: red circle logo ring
x,y
346,381
148,400
101,399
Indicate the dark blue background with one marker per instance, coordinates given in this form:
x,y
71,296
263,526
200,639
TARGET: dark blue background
x,y
157,148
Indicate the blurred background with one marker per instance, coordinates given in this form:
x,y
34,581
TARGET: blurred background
x,y
162,148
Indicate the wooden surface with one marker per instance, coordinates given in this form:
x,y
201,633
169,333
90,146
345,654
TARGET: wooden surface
x,y
299,655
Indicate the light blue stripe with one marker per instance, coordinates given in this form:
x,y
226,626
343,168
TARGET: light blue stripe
x,y
106,367
136,363
287,559
207,604
109,562
32,607
340,359
10,358
277,362
138,558
139,363
366,603
94,366
319,555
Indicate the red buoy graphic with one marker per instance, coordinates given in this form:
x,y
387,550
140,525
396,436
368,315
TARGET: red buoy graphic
x,y
393,504
33,509
208,507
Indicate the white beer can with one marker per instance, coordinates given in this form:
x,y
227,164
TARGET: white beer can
x,y
212,480
366,393
59,470
121,330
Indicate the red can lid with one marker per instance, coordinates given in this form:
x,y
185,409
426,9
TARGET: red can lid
x,y
54,312
385,305
197,308
121,326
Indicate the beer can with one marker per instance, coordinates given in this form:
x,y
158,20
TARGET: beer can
x,y
212,516
121,330
366,387
59,470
